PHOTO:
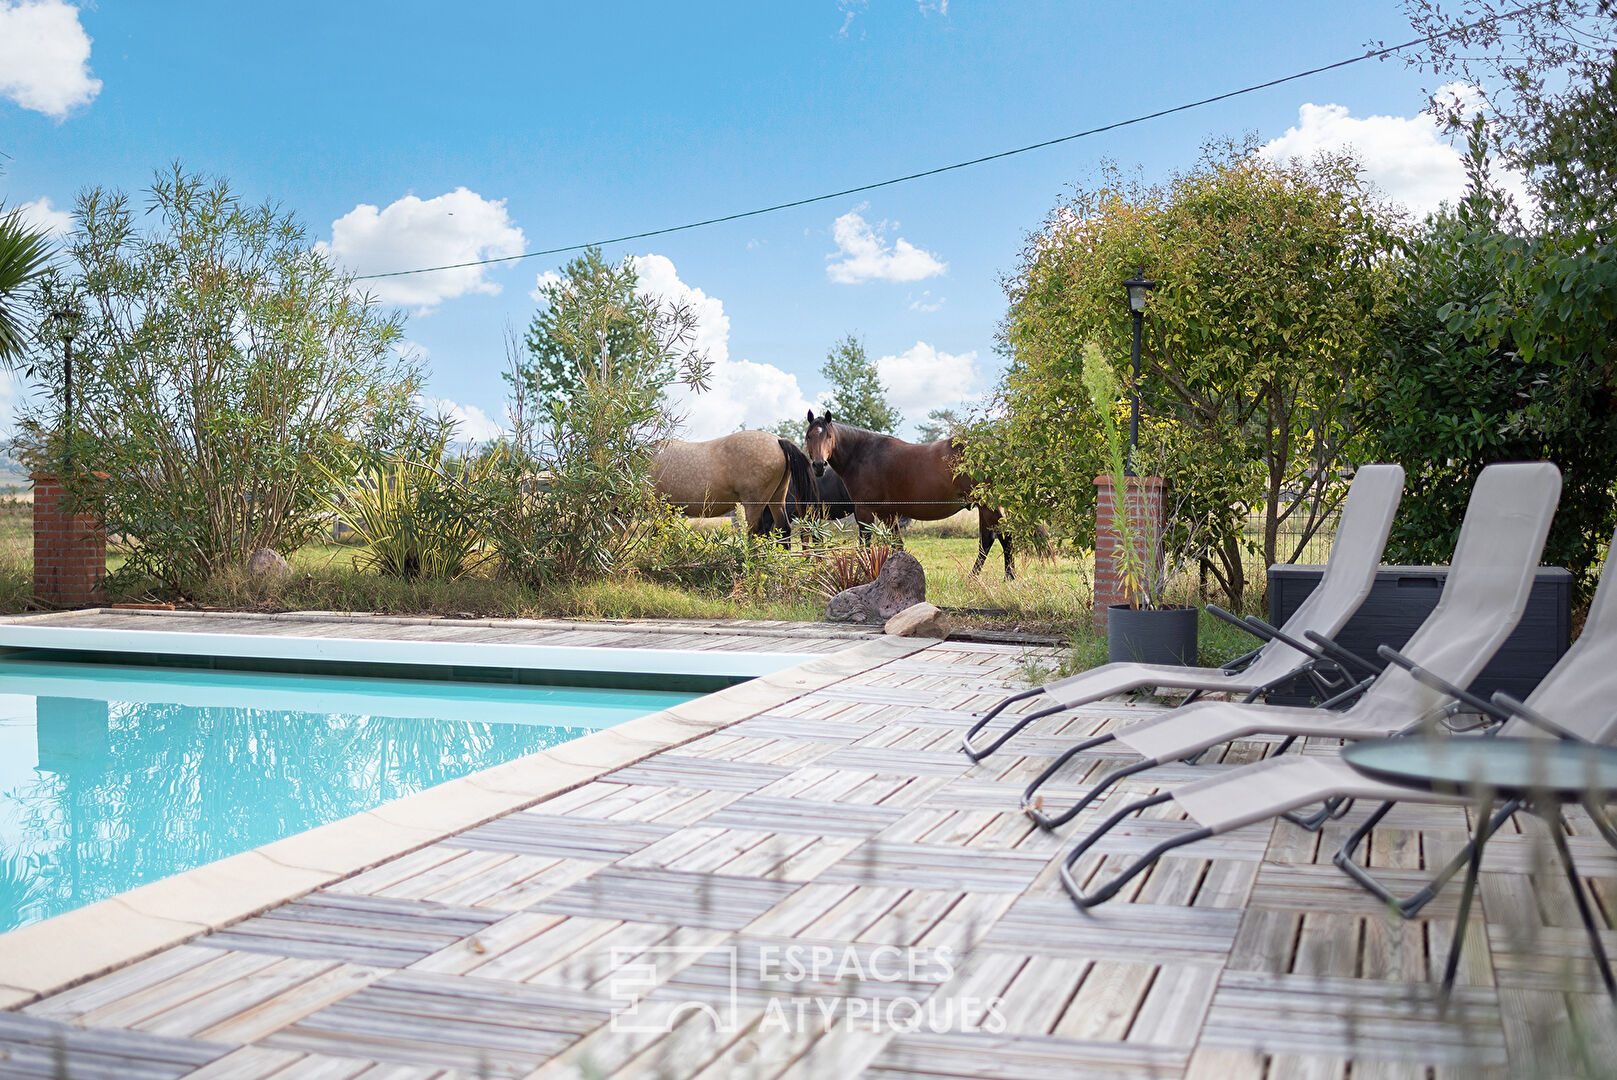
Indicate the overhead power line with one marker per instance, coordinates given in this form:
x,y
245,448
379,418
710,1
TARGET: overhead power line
x,y
1375,54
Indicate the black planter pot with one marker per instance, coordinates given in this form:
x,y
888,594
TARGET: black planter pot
x,y
1163,636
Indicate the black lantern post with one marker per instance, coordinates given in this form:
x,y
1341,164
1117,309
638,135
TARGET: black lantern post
x,y
66,318
1138,286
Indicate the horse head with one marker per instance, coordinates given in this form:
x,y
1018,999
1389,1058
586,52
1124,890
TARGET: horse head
x,y
820,441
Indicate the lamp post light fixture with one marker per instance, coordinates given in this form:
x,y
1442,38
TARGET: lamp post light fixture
x,y
1138,286
64,318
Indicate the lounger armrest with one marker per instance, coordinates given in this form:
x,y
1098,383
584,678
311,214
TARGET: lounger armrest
x,y
1237,621
1341,655
1516,708
1442,685
1261,627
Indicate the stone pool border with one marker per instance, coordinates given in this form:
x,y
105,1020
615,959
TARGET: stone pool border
x,y
59,952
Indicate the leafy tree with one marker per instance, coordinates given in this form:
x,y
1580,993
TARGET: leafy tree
x,y
573,497
593,314
1270,280
791,428
939,424
1573,155
1547,77
857,394
1499,350
219,362
24,252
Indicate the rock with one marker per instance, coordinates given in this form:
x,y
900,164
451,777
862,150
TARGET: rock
x,y
901,583
920,620
267,563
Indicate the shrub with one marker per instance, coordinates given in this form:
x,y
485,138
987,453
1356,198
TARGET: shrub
x,y
412,513
848,567
219,362
572,497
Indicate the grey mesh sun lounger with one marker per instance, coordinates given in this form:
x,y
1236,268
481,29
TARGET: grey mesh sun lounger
x,y
1576,700
1501,539
1361,535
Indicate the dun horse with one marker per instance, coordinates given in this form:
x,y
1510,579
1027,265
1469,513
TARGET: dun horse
x,y
752,469
889,478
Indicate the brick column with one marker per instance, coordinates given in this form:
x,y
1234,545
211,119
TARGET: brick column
x,y
1144,503
70,551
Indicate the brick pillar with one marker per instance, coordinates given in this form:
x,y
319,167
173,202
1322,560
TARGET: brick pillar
x,y
70,551
1144,503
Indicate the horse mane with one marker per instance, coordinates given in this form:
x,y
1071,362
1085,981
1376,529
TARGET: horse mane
x,y
802,481
856,430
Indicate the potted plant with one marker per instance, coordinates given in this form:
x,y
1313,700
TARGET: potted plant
x,y
1147,629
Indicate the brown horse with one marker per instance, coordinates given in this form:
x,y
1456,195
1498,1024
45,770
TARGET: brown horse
x,y
889,478
752,469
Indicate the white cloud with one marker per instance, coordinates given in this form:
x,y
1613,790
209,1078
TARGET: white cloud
x,y
42,215
849,9
658,277
863,254
549,277
922,378
1406,157
460,226
741,393
924,302
471,423
45,57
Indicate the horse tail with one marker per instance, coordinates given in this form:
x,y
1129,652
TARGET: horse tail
x,y
802,481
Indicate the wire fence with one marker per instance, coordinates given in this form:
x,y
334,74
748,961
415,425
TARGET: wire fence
x,y
1314,550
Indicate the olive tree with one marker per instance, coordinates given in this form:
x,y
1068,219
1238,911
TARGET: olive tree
x,y
219,362
1271,275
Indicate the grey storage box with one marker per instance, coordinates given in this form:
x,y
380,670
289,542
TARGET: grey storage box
x,y
1403,596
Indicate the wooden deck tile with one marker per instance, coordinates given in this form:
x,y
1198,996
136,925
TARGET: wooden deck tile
x,y
671,770
714,901
927,866
458,1022
879,759
1353,1018
1161,934
808,816
1020,1057
563,837
356,929
793,727
32,1046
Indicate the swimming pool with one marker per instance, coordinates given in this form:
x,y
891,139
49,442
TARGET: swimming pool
x,y
114,776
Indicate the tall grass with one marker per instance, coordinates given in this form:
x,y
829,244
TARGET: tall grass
x,y
325,579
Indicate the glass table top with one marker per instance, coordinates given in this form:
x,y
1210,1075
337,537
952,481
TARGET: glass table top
x,y
1507,766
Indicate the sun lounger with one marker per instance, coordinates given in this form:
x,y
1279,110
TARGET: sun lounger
x,y
1576,700
1495,557
1361,535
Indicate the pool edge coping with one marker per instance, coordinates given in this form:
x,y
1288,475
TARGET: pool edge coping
x,y
75,946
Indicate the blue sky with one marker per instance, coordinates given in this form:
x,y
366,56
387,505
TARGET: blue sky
x,y
410,134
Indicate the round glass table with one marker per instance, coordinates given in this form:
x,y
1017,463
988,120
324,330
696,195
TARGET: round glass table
x,y
1539,775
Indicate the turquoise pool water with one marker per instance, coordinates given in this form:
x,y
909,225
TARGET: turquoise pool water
x,y
111,777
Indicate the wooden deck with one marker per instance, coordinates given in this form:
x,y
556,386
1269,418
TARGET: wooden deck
x,y
848,820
